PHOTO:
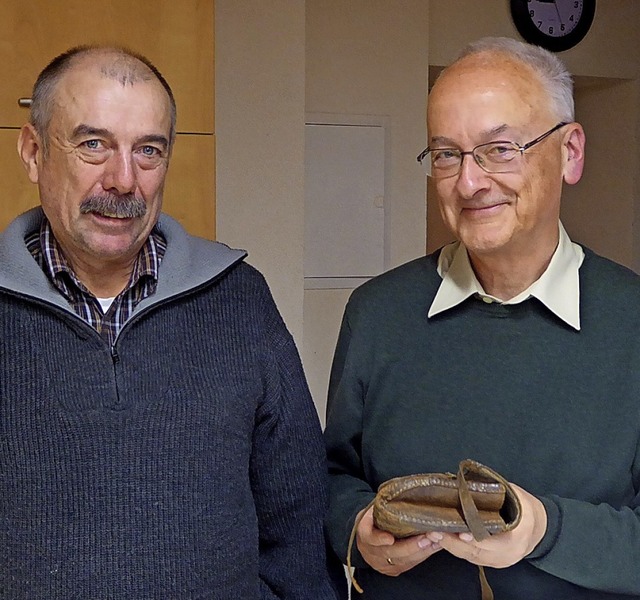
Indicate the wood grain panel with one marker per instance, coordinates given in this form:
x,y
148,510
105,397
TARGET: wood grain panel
x,y
17,193
190,191
177,36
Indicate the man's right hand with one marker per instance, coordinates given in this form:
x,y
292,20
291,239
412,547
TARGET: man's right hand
x,y
388,555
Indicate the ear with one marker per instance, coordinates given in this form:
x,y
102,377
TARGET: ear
x,y
573,154
30,150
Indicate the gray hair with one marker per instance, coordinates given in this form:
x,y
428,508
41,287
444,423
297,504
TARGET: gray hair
x,y
127,67
553,74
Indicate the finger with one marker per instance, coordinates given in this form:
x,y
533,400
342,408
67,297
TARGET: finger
x,y
493,552
436,537
397,564
368,533
412,549
417,553
470,551
411,545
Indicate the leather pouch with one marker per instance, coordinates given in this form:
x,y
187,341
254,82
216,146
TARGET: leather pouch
x,y
421,503
477,500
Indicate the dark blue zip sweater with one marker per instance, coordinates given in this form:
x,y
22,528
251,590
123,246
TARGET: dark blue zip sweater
x,y
184,462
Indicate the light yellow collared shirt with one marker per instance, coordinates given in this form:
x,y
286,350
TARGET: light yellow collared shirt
x,y
558,288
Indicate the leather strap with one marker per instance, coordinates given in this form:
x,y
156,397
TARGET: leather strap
x,y
487,592
474,523
352,537
469,509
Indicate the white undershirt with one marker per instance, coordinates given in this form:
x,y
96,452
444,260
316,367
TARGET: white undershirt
x,y
105,303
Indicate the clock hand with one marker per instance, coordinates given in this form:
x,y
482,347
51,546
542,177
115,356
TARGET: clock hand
x,y
558,12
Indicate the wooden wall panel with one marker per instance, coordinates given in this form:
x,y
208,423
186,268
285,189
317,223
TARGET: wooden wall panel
x,y
17,192
176,36
190,191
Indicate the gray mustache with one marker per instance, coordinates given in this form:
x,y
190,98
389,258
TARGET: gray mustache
x,y
126,206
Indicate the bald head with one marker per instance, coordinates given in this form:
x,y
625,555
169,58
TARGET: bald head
x,y
116,64
543,66
492,84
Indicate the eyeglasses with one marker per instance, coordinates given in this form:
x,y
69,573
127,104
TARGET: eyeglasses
x,y
494,157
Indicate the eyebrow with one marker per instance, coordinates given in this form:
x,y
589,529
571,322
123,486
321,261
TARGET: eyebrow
x,y
84,130
445,142
154,139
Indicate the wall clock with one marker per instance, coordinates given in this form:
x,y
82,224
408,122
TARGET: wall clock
x,y
553,24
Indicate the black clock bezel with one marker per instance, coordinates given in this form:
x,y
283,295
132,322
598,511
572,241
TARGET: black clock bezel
x,y
526,28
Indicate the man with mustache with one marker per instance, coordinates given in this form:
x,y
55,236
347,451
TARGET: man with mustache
x,y
157,438
512,346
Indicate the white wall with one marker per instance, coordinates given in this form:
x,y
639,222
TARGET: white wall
x,y
260,57
599,210
369,57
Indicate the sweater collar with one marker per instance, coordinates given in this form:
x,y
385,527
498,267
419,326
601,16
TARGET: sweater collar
x,y
189,262
558,288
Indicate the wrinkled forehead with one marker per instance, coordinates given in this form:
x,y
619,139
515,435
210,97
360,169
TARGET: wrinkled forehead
x,y
106,65
487,87
97,84
113,64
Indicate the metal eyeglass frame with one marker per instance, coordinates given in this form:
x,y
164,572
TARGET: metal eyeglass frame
x,y
472,152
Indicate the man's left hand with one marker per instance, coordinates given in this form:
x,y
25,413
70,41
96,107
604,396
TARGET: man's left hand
x,y
502,549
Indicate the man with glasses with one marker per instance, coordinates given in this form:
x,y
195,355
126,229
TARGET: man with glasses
x,y
512,346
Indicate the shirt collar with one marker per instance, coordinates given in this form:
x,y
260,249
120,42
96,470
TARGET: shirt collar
x,y
558,288
146,265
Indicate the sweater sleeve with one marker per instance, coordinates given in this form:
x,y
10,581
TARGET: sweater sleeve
x,y
288,474
596,546
349,490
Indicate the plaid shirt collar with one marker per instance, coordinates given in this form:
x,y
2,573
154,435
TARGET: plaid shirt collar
x,y
55,263
143,281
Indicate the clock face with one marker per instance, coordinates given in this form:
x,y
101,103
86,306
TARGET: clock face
x,y
553,24
558,18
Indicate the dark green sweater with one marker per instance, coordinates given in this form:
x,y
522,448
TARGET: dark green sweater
x,y
555,410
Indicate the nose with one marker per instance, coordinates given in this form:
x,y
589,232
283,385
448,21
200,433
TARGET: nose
x,y
472,177
120,173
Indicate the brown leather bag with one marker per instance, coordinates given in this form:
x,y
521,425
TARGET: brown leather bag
x,y
476,500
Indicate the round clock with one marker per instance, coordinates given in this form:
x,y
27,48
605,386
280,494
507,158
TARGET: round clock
x,y
553,24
